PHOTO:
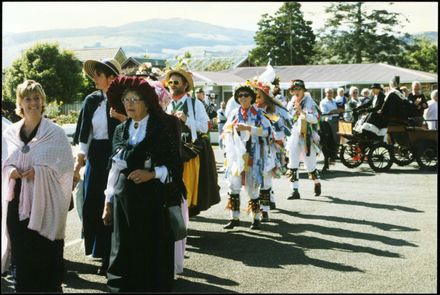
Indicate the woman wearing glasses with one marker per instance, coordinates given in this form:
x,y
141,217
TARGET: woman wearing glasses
x,y
246,153
145,156
94,133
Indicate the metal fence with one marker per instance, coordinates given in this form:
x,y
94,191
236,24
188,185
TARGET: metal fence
x,y
66,108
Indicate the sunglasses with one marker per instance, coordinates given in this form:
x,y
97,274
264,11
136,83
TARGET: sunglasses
x,y
132,100
173,82
245,95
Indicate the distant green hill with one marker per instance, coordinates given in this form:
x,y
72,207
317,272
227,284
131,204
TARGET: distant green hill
x,y
157,38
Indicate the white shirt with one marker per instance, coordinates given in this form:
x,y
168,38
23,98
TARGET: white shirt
x,y
197,123
326,105
99,128
135,136
431,113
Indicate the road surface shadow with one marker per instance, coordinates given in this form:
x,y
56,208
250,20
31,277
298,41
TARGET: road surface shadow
x,y
379,225
184,286
74,281
365,204
290,233
256,250
343,173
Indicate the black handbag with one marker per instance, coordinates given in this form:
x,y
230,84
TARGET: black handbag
x,y
190,150
172,197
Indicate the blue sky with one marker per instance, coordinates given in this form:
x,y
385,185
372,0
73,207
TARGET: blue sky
x,y
35,16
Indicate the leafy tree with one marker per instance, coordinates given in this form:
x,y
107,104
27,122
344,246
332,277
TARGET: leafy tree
x,y
285,39
59,72
219,65
354,35
420,54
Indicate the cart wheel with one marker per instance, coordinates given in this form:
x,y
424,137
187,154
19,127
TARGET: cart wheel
x,y
380,157
427,155
351,155
402,155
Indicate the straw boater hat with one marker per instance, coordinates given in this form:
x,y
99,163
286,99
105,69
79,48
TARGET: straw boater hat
x,y
90,66
249,87
184,74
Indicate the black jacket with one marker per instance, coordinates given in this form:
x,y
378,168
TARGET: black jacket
x,y
90,104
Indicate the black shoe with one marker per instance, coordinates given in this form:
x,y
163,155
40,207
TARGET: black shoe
x,y
255,224
232,223
317,189
325,168
272,205
294,196
102,270
265,217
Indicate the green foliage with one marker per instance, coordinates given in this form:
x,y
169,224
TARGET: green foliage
x,y
354,35
219,65
420,54
286,38
59,72
70,118
8,111
53,109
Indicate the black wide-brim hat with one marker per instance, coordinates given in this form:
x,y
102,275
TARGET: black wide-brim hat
x,y
139,84
90,66
376,85
246,88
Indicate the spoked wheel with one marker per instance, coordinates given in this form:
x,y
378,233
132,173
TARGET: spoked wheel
x,y
351,155
380,157
402,155
427,155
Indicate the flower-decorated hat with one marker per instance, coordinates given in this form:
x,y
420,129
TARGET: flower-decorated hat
x,y
249,87
147,70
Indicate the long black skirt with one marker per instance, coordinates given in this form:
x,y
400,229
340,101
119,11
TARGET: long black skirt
x,y
208,190
97,236
38,261
142,255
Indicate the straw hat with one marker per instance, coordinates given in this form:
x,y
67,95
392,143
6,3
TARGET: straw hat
x,y
183,73
90,66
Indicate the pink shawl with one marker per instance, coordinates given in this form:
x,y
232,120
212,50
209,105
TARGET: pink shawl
x,y
45,199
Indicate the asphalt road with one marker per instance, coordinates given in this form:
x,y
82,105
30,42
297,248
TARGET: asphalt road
x,y
367,233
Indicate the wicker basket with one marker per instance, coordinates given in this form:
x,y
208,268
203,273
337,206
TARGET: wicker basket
x,y
345,127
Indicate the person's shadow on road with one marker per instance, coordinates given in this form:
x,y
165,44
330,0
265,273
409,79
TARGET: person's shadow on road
x,y
73,280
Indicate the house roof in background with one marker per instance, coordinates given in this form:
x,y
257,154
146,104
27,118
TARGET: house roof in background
x,y
140,60
318,76
97,53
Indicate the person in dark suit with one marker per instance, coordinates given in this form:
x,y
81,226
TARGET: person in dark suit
x,y
146,156
94,133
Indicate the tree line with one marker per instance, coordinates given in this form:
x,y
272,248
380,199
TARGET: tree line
x,y
351,35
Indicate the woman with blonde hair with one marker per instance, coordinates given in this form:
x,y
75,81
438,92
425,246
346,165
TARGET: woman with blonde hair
x,y
37,178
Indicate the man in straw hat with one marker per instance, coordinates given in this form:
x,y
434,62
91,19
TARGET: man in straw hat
x,y
94,133
200,173
304,141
